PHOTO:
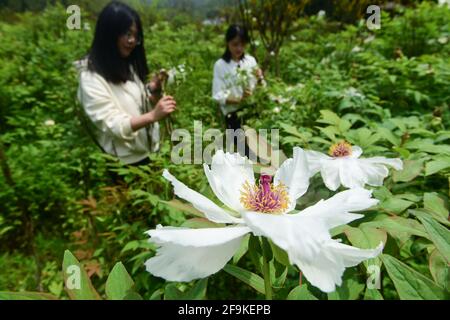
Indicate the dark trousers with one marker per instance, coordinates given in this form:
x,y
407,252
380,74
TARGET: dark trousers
x,y
117,179
234,122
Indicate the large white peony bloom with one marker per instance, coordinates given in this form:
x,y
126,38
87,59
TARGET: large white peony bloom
x,y
262,209
344,166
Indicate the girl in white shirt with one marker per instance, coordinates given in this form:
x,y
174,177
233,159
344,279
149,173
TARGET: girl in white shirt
x,y
236,75
112,91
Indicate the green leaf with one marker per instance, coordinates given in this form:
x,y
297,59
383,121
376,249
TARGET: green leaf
x,y
366,237
395,205
250,278
301,293
119,283
411,169
349,290
426,145
171,292
157,294
255,252
330,132
280,255
198,223
76,277
399,227
329,117
198,291
184,207
292,130
26,296
435,204
243,248
278,282
439,269
372,294
267,250
438,163
344,125
439,234
410,284
389,136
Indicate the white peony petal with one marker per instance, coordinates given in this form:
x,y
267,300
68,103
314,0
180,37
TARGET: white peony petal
x,y
356,152
375,170
330,173
188,254
396,163
211,210
294,174
353,256
226,177
326,271
374,173
300,238
306,239
303,239
350,173
336,210
315,159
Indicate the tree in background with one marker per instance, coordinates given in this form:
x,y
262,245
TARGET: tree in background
x,y
273,21
352,10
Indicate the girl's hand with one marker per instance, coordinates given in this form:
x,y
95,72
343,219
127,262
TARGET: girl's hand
x,y
259,73
165,106
155,85
247,93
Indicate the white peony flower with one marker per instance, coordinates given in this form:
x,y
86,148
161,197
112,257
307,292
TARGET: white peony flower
x,y
369,39
444,2
443,40
344,166
262,209
293,105
49,122
172,73
357,49
353,93
321,14
279,99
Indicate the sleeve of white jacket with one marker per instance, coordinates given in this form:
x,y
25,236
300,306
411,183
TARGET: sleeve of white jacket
x,y
102,110
219,92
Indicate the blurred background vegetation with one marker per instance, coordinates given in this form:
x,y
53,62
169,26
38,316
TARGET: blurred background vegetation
x,y
391,86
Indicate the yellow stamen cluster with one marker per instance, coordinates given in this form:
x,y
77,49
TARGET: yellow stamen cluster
x,y
340,149
265,198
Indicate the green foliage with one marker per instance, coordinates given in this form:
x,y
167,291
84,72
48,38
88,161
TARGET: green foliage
x,y
386,91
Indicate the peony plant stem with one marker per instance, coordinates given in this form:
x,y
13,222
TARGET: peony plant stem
x,y
266,272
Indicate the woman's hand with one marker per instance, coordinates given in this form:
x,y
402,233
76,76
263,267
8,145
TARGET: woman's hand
x,y
155,87
247,93
259,74
165,106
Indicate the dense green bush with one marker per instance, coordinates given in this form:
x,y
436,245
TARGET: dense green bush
x,y
387,91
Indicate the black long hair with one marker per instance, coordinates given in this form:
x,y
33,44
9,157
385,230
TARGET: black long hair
x,y
233,32
104,57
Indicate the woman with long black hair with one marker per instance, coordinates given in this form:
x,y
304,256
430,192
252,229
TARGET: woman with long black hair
x,y
236,75
112,88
